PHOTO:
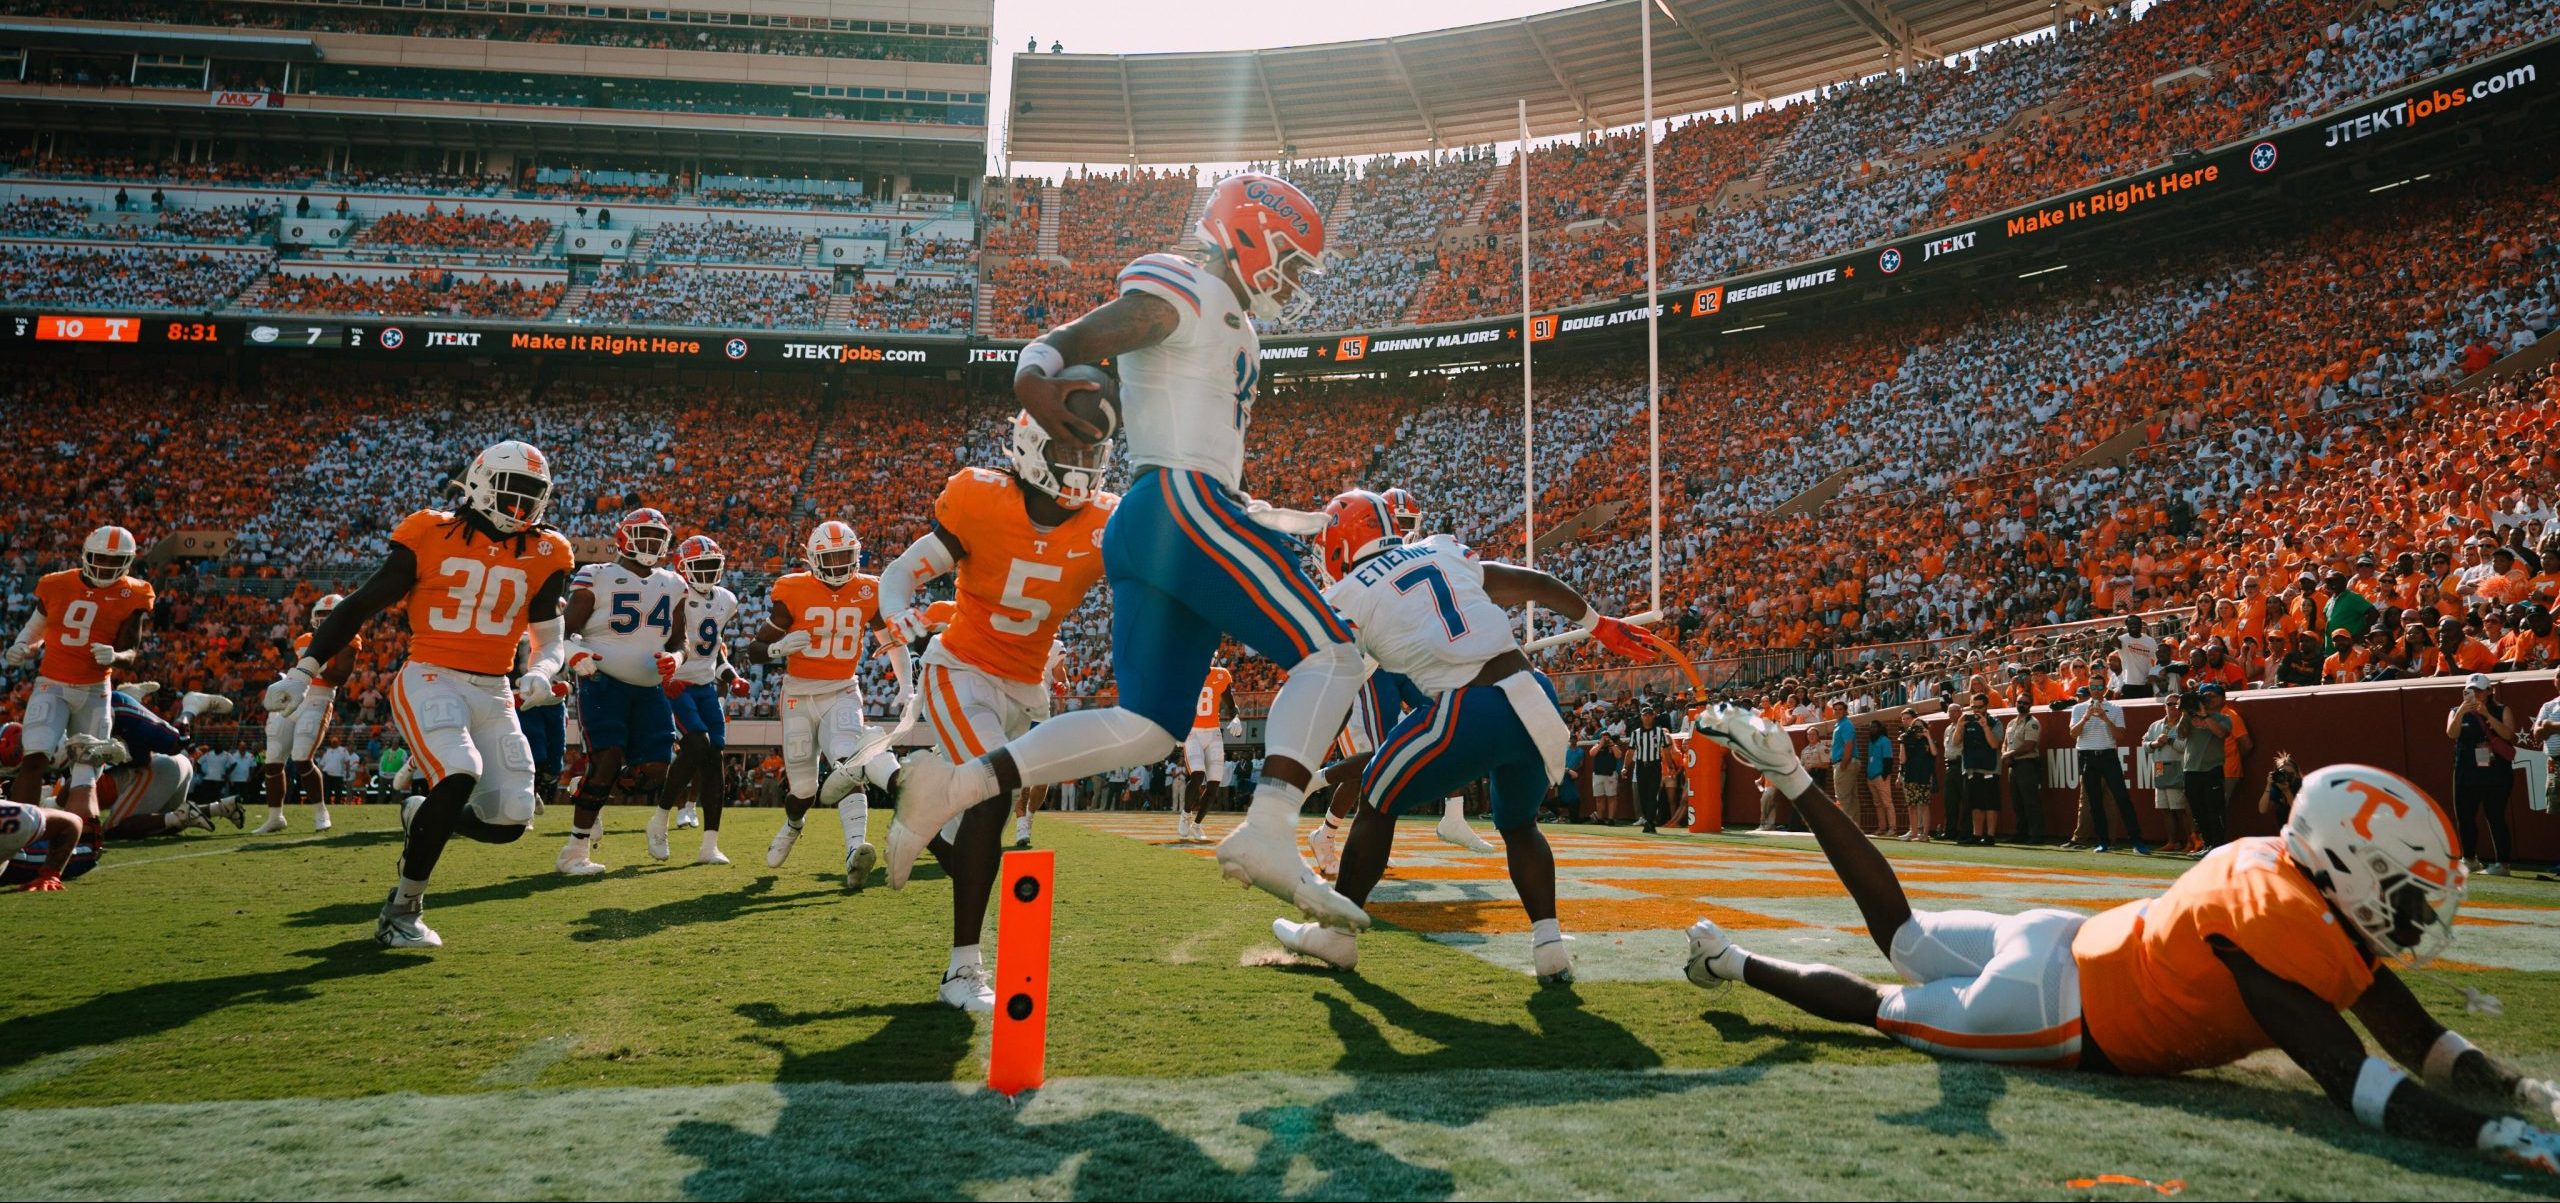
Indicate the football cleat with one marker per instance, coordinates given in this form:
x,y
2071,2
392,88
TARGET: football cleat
x,y
1339,949
138,690
405,927
1268,858
687,816
197,705
275,823
859,861
95,750
844,780
658,836
230,808
1328,850
711,854
1707,947
924,793
966,988
320,818
191,816
1453,829
1552,962
780,849
575,862
1022,831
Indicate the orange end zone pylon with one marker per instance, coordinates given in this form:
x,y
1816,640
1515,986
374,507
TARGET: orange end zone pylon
x,y
1018,1054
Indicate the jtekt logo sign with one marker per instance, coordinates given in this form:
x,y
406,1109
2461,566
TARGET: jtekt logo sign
x,y
453,338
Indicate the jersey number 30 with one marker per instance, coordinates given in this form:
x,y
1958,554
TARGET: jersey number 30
x,y
485,599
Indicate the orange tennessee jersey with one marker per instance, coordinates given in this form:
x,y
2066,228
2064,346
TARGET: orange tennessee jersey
x,y
838,620
78,615
2156,998
471,600
1016,582
1206,714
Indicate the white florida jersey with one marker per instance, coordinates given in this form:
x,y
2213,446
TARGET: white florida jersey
x,y
1421,610
1185,402
634,614
706,618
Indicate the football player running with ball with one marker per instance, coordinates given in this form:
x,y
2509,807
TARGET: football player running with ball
x,y
820,621
631,613
1025,546
475,580
2263,944
1434,615
1189,555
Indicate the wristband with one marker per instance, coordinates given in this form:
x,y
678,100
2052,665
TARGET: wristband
x,y
1038,358
2440,1058
309,667
2374,1084
1590,617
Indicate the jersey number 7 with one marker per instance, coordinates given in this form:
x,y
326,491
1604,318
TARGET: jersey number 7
x,y
1429,574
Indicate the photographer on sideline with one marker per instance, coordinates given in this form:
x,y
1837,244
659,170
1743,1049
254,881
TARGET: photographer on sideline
x,y
2097,731
2202,723
2484,751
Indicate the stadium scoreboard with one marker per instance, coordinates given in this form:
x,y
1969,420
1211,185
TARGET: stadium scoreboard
x,y
113,328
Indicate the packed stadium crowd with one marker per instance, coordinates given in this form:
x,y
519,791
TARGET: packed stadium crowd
x,y
426,292
679,296
727,242
456,229
135,278
915,304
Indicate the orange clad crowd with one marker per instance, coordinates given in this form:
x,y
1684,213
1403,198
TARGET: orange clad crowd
x,y
426,292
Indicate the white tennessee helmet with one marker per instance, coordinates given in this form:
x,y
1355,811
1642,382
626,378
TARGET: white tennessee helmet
x,y
1072,475
106,554
508,485
834,551
2380,849
321,608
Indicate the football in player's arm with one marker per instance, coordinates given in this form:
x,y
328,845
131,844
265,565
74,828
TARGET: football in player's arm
x,y
2371,911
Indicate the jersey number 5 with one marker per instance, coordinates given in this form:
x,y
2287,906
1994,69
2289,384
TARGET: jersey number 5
x,y
1035,610
1450,619
485,599
835,633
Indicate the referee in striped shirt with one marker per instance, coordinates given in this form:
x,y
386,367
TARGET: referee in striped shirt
x,y
1644,747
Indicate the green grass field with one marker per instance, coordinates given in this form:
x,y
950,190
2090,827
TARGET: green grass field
x,y
208,1017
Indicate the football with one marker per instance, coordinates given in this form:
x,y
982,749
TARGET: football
x,y
1099,405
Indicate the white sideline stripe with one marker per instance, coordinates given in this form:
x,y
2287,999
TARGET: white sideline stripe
x,y
103,866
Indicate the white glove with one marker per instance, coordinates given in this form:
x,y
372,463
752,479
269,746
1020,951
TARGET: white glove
x,y
18,654
286,694
2539,1098
537,690
195,704
1303,524
103,653
2522,1143
1759,743
793,644
581,662
1235,728
909,624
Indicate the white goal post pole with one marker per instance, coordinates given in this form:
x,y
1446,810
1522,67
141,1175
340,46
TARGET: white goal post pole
x,y
1652,317
1528,412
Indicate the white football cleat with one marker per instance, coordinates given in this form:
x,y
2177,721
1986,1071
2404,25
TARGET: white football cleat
x,y
575,862
1339,949
197,705
711,855
1022,831
193,817
658,836
1707,943
1328,850
138,690
1454,829
275,823
924,793
967,989
780,849
406,775
405,927
1268,858
687,816
230,808
1552,962
320,818
859,861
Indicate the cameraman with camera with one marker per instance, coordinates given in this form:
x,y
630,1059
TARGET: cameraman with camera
x,y
2097,731
2204,725
2484,735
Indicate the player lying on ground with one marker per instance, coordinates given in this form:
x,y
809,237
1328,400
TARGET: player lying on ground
x,y
631,613
695,692
1189,555
820,621
475,581
294,735
1435,615
2261,945
1023,546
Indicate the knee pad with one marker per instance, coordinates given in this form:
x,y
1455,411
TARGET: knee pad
x,y
444,723
47,716
504,795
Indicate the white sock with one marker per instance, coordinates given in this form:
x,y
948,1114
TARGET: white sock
x,y
412,889
856,815
964,957
880,768
274,811
711,841
1275,804
1728,964
580,841
1455,808
1332,822
1544,931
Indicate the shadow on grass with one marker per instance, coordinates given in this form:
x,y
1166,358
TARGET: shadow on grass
x,y
337,914
754,898
161,1006
333,840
